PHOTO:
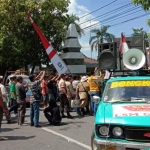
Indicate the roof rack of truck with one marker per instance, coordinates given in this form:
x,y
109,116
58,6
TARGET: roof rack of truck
x,y
125,73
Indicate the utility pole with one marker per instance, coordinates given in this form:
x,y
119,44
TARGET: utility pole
x,y
90,37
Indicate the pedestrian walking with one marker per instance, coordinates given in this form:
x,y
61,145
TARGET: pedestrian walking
x,y
2,110
21,100
63,96
35,97
4,97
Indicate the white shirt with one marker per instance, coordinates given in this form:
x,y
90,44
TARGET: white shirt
x,y
75,83
4,93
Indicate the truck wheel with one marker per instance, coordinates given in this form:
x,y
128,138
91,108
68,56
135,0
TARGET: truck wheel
x,y
93,145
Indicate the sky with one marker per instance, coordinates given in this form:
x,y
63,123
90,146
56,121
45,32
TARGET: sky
x,y
83,9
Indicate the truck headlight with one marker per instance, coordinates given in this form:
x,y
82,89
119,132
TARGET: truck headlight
x,y
103,130
117,131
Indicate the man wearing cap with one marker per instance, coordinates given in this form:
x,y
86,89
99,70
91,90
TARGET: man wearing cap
x,y
2,109
64,97
35,98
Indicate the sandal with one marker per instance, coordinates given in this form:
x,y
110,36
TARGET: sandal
x,y
3,138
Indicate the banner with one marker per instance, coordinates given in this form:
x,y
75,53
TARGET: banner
x,y
58,63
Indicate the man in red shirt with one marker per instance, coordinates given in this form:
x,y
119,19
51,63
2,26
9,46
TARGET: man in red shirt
x,y
44,91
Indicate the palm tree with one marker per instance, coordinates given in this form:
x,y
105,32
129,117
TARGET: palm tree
x,y
72,19
101,36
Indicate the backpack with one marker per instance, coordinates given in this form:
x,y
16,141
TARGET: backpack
x,y
36,91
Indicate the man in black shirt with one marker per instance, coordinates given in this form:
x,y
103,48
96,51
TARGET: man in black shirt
x,y
52,89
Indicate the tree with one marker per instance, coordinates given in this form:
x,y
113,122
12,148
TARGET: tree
x,y
72,19
145,4
141,32
19,43
101,36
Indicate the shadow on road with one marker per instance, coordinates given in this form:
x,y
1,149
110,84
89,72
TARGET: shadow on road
x,y
19,137
8,129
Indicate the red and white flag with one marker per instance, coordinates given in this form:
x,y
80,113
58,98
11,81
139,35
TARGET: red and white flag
x,y
123,45
58,63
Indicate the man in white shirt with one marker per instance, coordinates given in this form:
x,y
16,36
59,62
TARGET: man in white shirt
x,y
75,82
4,97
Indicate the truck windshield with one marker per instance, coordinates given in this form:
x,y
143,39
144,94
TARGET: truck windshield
x,y
128,91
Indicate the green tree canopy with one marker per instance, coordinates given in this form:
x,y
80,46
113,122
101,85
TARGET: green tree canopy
x,y
19,43
100,36
145,4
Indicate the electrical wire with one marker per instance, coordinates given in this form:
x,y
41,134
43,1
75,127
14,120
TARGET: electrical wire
x,y
113,25
130,19
105,14
116,17
126,11
99,8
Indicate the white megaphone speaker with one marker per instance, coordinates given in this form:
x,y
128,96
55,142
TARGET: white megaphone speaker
x,y
134,59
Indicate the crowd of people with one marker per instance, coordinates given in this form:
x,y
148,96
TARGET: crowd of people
x,y
56,93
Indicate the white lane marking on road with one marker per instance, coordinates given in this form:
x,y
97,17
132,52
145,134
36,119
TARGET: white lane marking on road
x,y
68,138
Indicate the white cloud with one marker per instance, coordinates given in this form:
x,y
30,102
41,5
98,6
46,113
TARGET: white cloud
x,y
81,11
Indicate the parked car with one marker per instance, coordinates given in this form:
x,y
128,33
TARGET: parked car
x,y
123,114
25,80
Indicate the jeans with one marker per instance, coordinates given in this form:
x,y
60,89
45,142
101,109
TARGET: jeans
x,y
45,97
51,96
14,106
93,105
78,110
34,113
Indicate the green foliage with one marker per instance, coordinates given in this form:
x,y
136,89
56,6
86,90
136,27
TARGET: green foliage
x,y
19,43
145,3
100,36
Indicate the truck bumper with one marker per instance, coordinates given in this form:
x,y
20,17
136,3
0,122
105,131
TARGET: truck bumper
x,y
123,145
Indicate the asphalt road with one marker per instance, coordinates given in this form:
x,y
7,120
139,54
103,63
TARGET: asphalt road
x,y
71,134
